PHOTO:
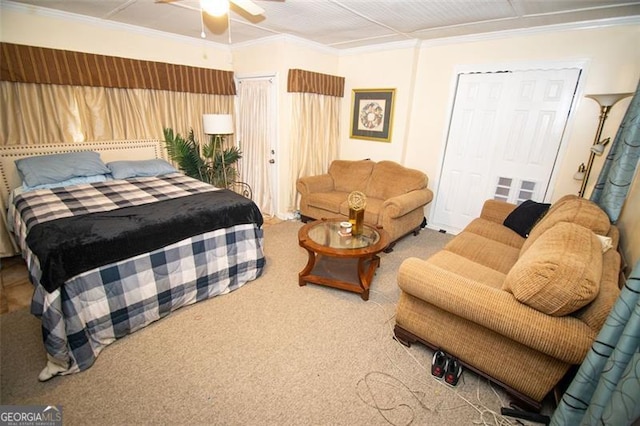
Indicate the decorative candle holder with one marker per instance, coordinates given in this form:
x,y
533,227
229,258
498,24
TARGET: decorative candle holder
x,y
346,228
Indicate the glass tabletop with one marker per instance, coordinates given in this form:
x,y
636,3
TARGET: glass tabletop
x,y
327,233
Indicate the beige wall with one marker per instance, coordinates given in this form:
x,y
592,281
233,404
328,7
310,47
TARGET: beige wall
x,y
381,70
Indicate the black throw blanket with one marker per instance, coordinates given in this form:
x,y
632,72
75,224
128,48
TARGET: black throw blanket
x,y
69,246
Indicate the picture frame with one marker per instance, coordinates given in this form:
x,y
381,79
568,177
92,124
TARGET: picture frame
x,y
372,114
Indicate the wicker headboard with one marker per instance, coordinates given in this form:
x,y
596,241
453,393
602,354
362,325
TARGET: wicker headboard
x,y
108,150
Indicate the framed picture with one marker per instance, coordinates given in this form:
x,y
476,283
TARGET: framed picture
x,y
372,114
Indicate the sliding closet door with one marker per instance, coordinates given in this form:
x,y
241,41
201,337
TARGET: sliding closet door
x,y
503,141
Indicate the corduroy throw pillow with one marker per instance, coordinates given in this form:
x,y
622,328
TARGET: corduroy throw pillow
x,y
570,209
561,271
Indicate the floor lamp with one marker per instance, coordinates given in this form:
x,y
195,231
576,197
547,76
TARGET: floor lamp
x,y
218,125
606,102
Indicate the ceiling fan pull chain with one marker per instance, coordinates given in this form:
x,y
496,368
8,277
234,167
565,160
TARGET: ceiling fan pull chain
x,y
202,34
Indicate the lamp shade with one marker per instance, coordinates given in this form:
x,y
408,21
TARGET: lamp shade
x,y
608,99
579,175
217,124
597,149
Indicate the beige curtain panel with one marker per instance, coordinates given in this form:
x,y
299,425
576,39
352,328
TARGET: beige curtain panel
x,y
314,82
316,132
60,96
315,124
48,113
30,64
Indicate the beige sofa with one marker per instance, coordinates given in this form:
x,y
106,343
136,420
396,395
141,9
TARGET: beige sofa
x,y
396,195
519,311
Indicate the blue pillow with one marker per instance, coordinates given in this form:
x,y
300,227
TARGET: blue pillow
x,y
73,181
54,168
140,168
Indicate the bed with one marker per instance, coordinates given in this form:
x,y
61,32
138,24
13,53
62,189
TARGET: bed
x,y
110,256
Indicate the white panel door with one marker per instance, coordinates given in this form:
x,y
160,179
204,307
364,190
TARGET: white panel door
x,y
503,141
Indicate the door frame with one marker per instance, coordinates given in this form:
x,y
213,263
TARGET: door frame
x,y
581,64
275,174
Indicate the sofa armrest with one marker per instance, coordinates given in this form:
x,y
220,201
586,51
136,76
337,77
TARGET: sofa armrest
x,y
565,338
310,184
402,204
496,211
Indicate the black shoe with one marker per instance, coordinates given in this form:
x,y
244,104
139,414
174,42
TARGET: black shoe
x,y
453,371
439,364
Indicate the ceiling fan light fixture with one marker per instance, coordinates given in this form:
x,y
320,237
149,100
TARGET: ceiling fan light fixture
x,y
215,7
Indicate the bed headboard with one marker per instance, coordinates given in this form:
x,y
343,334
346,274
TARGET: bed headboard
x,y
146,149
108,150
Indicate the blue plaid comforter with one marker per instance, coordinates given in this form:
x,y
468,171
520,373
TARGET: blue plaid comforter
x,y
93,309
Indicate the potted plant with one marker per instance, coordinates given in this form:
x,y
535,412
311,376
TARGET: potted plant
x,y
212,162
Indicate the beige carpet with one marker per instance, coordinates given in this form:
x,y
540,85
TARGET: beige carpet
x,y
270,353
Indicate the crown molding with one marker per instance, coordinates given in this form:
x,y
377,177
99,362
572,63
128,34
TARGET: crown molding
x,y
495,35
287,38
392,45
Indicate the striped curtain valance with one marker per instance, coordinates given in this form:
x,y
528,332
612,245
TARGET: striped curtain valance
x,y
314,82
30,64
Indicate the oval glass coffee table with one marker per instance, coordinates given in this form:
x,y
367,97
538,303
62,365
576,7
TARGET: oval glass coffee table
x,y
344,262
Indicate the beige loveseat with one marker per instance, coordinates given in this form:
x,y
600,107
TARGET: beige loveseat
x,y
396,195
519,311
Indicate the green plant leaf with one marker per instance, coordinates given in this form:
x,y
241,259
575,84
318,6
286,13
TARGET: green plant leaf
x,y
213,165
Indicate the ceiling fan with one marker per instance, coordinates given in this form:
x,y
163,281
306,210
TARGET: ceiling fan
x,y
221,7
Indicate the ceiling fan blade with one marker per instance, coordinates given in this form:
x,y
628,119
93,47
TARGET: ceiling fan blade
x,y
249,6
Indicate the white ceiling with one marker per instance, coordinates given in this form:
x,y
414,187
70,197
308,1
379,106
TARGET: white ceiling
x,y
344,24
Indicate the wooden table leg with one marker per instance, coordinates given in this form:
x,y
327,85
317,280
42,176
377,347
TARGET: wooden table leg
x,y
366,269
310,264
362,278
